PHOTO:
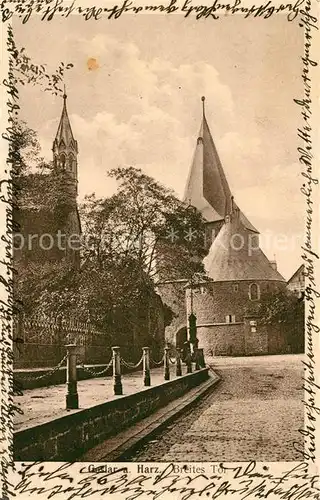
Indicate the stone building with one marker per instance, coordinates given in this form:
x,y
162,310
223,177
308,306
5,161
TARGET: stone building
x,y
47,215
297,282
238,272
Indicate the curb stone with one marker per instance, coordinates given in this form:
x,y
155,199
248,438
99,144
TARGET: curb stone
x,y
127,442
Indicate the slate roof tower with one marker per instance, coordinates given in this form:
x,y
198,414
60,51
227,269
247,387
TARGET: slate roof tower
x,y
207,187
65,148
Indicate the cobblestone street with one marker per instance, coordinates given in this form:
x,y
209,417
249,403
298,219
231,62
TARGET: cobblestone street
x,y
253,414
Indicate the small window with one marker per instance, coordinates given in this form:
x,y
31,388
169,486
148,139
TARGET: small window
x,y
230,318
254,291
236,287
253,326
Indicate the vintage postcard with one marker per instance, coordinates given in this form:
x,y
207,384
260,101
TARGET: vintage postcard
x,y
159,249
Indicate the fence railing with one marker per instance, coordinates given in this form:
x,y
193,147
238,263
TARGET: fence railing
x,y
116,362
55,332
39,342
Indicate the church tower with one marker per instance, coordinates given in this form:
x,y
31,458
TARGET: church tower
x,y
65,150
207,187
65,160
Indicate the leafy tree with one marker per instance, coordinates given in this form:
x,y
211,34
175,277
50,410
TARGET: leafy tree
x,y
126,249
123,240
144,222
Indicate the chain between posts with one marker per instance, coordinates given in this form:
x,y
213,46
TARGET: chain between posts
x,y
131,365
50,372
158,363
93,373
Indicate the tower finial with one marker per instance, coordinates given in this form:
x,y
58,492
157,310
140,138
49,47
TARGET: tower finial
x,y
64,92
203,99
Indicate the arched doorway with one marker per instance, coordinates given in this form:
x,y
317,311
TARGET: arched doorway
x,y
181,337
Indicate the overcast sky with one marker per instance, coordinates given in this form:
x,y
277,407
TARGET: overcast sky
x,y
134,99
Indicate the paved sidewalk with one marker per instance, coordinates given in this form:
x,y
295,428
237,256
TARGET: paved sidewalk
x,y
45,403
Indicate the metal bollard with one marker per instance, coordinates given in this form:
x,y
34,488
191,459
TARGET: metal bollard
x,y
166,364
146,366
72,399
117,385
189,362
201,358
178,363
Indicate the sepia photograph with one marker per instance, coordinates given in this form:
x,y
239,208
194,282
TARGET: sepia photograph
x,y
158,273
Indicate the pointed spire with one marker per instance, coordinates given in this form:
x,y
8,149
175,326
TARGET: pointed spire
x,y
207,186
65,148
64,136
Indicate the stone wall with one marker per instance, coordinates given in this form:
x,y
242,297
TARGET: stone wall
x,y
214,301
69,437
241,339
256,336
224,339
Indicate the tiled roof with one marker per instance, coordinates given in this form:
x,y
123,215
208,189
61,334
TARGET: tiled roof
x,y
235,255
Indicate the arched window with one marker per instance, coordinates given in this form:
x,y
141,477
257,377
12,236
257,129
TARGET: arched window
x,y
254,291
62,161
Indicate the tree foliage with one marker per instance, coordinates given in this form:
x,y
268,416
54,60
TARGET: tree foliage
x,y
29,72
144,223
127,247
